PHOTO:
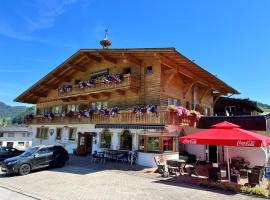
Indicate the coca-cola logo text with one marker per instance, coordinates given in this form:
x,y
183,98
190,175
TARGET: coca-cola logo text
x,y
247,143
190,141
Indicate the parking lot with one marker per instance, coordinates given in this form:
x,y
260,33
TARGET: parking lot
x,y
82,180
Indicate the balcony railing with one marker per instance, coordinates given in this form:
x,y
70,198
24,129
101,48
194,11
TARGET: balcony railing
x,y
123,117
128,82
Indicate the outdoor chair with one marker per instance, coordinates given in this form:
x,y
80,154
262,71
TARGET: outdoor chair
x,y
256,175
216,173
191,169
98,158
122,157
235,178
160,165
133,157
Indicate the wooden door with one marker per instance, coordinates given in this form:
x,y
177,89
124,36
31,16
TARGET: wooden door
x,y
82,146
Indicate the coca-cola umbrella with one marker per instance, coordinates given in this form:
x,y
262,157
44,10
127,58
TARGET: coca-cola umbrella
x,y
226,134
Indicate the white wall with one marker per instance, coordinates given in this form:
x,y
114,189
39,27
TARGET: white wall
x,y
147,159
18,137
198,150
254,155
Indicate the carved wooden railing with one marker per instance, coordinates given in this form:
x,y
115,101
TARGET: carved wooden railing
x,y
128,82
123,117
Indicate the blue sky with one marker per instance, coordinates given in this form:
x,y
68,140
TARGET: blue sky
x,y
231,39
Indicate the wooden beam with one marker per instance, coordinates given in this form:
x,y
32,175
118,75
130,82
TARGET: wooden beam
x,y
205,92
108,58
83,97
92,57
188,88
165,61
170,71
122,92
132,59
39,94
63,78
50,86
106,94
216,99
95,96
78,67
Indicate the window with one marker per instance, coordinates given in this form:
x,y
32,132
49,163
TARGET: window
x,y
167,144
105,139
24,134
96,106
149,70
172,101
153,144
27,144
126,141
11,134
42,133
56,109
42,151
58,133
21,143
9,144
72,134
28,134
73,108
1,134
141,142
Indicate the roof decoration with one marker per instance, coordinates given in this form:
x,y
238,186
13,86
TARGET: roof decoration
x,y
105,43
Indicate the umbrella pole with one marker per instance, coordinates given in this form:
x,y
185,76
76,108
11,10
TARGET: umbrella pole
x,y
228,164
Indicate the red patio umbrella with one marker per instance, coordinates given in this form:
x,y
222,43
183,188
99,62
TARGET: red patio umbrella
x,y
226,134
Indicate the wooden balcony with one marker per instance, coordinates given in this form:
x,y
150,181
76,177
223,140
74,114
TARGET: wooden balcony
x,y
123,117
129,82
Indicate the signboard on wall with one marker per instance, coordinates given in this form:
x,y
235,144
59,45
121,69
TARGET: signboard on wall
x,y
267,172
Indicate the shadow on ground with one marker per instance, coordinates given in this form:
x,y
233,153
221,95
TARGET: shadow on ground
x,y
174,181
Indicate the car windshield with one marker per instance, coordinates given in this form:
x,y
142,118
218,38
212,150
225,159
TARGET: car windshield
x,y
29,152
2,149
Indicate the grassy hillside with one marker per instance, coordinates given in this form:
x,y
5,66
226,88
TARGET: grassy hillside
x,y
264,107
10,111
13,114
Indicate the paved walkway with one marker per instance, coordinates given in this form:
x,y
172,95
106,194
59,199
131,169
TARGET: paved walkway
x,y
81,181
8,195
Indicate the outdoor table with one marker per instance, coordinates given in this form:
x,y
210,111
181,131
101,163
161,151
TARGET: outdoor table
x,y
181,164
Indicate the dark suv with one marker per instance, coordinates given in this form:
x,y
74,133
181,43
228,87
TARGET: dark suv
x,y
36,158
8,152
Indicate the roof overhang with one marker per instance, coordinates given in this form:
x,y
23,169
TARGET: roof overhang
x,y
168,56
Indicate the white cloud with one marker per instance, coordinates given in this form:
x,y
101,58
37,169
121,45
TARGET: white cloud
x,y
24,19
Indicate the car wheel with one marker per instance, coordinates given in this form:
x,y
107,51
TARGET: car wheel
x,y
24,169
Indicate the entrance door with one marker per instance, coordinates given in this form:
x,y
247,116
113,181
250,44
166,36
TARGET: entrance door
x,y
212,153
84,144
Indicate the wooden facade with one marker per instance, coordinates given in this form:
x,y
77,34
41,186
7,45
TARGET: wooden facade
x,y
150,77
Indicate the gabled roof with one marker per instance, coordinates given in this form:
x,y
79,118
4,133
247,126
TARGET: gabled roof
x,y
246,102
168,56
